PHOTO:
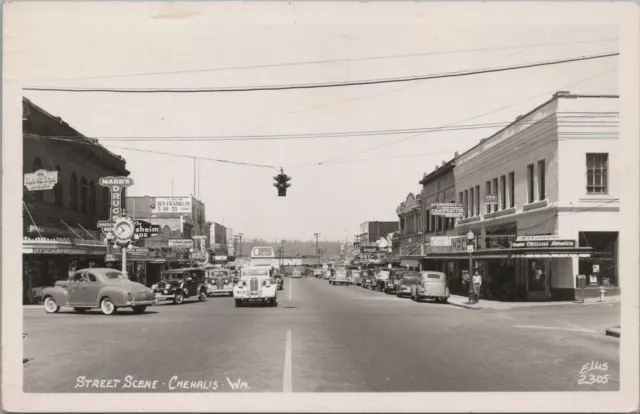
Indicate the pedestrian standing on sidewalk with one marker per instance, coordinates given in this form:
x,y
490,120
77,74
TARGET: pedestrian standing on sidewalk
x,y
477,283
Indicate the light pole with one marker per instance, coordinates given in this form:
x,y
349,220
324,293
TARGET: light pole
x,y
317,251
191,257
470,238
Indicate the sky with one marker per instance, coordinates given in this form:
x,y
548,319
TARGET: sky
x,y
64,49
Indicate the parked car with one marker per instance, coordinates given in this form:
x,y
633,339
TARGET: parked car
x,y
340,278
382,275
255,286
356,277
395,275
431,285
219,281
317,273
409,279
104,288
296,274
180,284
369,280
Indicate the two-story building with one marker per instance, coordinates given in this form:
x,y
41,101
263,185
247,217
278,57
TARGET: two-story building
x,y
541,199
60,231
410,239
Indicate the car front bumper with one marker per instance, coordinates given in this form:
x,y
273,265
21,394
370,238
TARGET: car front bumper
x,y
254,297
134,302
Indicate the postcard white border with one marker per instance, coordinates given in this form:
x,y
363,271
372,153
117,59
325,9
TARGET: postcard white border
x,y
625,15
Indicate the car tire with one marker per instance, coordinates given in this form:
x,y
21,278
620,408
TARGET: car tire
x,y
107,307
203,295
139,309
80,310
178,299
238,303
273,302
50,305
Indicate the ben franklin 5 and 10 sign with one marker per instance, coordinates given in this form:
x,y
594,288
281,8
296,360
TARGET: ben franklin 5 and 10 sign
x,y
173,205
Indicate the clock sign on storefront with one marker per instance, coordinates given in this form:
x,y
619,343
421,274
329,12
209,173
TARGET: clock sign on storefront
x,y
123,229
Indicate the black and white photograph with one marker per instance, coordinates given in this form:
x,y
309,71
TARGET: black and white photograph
x,y
320,206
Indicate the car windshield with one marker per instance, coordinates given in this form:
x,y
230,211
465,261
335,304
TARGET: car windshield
x,y
115,276
255,272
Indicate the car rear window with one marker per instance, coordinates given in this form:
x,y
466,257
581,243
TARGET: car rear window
x,y
433,276
114,275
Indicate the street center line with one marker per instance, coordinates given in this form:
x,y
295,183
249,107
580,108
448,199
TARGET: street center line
x,y
287,385
556,328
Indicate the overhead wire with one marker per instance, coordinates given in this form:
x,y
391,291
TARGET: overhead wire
x,y
469,119
325,61
321,84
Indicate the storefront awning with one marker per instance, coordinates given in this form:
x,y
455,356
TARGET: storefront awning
x,y
509,253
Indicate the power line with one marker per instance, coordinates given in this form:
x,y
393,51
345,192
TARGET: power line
x,y
470,119
600,119
316,62
321,85
192,157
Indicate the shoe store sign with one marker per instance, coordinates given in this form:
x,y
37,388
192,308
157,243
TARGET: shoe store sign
x,y
115,186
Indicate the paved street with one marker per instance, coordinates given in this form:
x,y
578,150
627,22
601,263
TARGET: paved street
x,y
321,338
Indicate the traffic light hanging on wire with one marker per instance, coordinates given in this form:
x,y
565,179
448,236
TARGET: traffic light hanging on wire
x,y
282,183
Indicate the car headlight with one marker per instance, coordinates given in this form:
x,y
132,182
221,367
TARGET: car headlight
x,y
154,286
267,283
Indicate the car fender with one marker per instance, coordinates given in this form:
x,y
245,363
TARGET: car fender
x,y
114,293
201,286
60,295
270,291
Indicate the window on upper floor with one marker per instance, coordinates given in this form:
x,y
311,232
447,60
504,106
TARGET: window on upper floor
x,y
472,204
477,200
487,195
84,195
73,192
466,203
92,198
597,173
530,183
512,189
542,191
503,192
106,203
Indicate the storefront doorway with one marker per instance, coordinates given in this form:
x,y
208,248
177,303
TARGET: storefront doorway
x,y
538,279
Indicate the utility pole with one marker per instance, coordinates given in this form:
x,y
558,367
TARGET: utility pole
x,y
317,251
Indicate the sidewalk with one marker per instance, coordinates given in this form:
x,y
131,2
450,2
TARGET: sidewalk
x,y
463,302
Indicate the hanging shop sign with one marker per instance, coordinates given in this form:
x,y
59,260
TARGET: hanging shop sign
x,y
180,205
543,244
440,241
109,257
115,186
449,210
370,249
143,229
183,243
41,180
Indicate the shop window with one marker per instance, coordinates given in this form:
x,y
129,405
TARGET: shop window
x,y
503,192
73,192
512,189
601,268
84,195
597,169
541,180
57,189
530,187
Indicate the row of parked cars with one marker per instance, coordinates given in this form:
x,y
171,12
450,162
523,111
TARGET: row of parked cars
x,y
418,285
109,289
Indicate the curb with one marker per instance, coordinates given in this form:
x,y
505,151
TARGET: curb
x,y
463,305
614,331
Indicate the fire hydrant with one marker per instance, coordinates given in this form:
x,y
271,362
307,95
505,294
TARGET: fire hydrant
x,y
602,292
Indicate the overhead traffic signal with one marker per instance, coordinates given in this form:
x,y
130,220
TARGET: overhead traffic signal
x,y
282,183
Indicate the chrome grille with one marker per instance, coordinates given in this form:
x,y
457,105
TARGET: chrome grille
x,y
253,284
220,285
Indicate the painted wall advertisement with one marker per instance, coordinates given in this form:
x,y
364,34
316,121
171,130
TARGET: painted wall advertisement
x,y
180,205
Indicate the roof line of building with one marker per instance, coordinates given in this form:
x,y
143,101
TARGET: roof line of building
x,y
556,96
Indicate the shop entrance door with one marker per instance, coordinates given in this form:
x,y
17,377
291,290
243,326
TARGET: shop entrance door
x,y
538,287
